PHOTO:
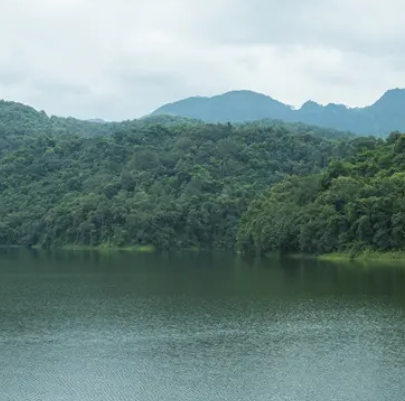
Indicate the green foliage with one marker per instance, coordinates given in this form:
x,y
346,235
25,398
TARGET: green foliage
x,y
21,125
357,203
172,183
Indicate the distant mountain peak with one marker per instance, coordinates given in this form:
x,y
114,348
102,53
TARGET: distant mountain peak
x,y
244,92
384,116
392,95
232,106
310,105
394,91
391,106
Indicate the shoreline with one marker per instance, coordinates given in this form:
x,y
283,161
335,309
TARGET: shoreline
x,y
106,248
367,255
364,256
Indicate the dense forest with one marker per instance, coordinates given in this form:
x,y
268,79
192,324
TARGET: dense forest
x,y
356,204
173,182
162,181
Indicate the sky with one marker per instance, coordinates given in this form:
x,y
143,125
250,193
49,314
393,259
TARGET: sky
x,y
121,59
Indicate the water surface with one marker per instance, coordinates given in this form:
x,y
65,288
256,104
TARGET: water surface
x,y
79,326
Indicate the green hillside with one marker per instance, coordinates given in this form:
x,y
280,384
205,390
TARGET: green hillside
x,y
356,204
174,184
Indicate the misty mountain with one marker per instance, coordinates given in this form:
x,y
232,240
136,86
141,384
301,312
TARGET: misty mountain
x,y
387,114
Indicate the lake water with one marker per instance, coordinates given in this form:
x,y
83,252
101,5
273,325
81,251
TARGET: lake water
x,y
77,326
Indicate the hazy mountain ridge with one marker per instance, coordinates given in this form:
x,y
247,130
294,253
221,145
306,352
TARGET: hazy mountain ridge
x,y
387,114
384,116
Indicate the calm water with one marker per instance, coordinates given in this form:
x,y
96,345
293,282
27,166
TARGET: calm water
x,y
198,327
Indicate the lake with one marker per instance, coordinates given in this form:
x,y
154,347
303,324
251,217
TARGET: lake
x,y
83,326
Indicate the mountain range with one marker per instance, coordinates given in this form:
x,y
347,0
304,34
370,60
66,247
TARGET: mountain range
x,y
387,114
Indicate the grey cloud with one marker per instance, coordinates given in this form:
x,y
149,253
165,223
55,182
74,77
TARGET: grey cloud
x,y
121,59
11,77
350,25
61,89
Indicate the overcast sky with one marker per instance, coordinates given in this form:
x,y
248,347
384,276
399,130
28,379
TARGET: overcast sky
x,y
119,59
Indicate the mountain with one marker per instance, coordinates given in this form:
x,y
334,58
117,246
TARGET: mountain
x,y
20,119
235,106
384,116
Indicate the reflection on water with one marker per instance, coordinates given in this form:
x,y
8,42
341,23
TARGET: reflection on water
x,y
198,326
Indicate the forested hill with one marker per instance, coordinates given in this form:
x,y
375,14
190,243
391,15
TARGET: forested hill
x,y
20,123
172,184
19,119
386,115
356,204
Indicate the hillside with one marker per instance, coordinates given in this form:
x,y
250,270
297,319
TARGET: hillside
x,y
19,119
20,124
384,116
178,184
356,204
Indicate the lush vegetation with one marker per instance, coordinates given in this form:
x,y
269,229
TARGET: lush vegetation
x,y
160,181
381,118
21,124
168,182
356,205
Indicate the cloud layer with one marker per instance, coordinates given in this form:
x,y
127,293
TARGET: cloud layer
x,y
123,58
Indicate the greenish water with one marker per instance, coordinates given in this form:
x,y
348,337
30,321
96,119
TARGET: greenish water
x,y
198,327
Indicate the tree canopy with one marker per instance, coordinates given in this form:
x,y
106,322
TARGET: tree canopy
x,y
356,203
159,181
